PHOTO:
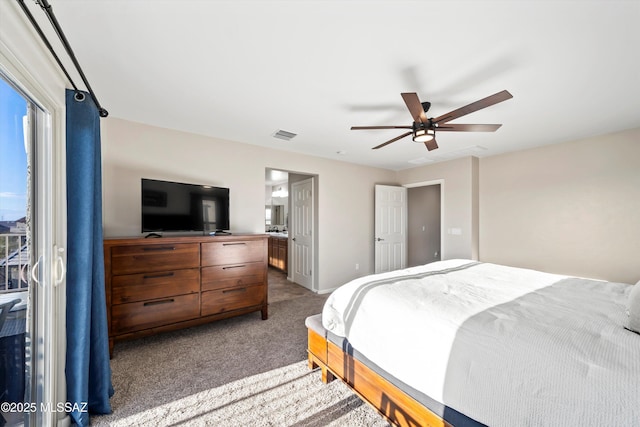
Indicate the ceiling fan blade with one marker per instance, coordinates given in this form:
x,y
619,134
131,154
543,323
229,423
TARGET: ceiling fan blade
x,y
380,127
474,106
392,140
414,106
431,145
459,127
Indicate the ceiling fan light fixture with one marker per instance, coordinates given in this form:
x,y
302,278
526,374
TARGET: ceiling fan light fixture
x,y
423,135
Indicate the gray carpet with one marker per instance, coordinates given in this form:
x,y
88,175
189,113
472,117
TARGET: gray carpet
x,y
235,372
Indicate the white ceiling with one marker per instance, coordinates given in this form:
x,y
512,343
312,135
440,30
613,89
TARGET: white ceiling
x,y
241,70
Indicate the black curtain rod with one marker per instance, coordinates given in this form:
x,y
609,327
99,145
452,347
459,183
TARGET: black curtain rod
x,y
44,4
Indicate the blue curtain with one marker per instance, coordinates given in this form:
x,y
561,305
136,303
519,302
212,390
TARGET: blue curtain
x,y
88,371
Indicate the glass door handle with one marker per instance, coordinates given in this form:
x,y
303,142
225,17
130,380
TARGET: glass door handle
x,y
60,270
34,269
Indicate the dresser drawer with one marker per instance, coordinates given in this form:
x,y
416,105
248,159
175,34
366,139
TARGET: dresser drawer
x,y
234,275
145,286
155,257
137,316
233,252
222,300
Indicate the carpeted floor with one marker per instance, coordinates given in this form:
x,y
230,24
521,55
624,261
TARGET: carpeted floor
x,y
235,372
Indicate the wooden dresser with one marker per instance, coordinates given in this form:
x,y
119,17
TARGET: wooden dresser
x,y
168,283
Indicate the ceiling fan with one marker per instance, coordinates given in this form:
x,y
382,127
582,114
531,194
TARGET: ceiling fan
x,y
424,129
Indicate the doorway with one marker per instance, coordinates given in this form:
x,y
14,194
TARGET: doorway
x,y
408,229
295,221
424,224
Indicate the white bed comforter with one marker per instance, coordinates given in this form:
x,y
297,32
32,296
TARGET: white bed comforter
x,y
504,346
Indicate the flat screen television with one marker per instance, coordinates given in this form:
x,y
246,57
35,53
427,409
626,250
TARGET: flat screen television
x,y
175,206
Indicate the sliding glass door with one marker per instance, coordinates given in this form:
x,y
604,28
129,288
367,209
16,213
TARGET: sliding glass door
x,y
30,266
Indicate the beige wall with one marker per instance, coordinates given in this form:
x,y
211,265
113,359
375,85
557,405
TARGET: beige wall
x,y
345,191
571,208
459,203
568,208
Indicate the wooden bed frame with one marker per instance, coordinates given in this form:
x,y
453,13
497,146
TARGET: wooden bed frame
x,y
392,403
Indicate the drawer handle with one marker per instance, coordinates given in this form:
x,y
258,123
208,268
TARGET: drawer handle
x,y
160,248
229,267
155,276
228,291
164,301
234,244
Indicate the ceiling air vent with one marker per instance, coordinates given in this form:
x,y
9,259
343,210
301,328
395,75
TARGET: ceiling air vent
x,y
283,134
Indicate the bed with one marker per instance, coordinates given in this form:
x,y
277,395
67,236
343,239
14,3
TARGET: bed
x,y
466,343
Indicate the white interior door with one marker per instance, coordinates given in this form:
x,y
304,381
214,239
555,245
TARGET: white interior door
x,y
302,232
390,228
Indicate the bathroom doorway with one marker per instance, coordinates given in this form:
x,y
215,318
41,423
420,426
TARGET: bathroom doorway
x,y
280,224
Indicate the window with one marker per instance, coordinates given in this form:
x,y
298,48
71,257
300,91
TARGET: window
x,y
14,253
15,146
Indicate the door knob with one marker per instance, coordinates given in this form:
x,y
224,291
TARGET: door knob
x,y
378,239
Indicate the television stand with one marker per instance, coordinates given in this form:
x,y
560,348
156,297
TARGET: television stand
x,y
219,233
152,235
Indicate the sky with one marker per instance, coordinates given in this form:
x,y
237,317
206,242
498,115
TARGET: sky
x,y
13,158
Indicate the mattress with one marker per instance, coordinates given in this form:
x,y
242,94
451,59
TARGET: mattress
x,y
504,346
